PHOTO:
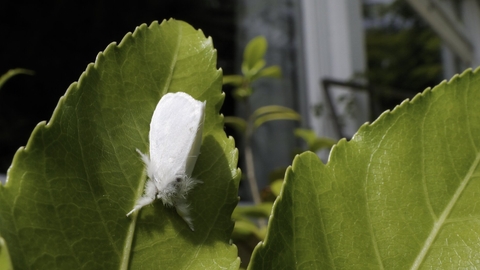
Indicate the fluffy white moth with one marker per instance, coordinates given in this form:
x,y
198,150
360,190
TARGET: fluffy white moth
x,y
175,139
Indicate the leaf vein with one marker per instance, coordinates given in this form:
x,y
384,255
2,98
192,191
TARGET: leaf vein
x,y
437,226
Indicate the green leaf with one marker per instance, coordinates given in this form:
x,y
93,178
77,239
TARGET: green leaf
x,y
272,113
5,262
270,72
254,52
314,143
260,210
241,93
235,80
402,194
237,123
244,228
246,217
252,72
270,109
275,117
69,189
12,72
276,186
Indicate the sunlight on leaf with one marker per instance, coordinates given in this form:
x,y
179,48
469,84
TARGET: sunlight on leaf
x,y
402,194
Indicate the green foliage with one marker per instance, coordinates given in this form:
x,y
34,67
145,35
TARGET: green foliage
x,y
272,113
246,218
253,55
251,220
402,194
314,143
69,189
403,51
253,68
12,72
262,115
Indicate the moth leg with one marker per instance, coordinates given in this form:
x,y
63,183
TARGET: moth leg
x,y
146,159
183,209
147,198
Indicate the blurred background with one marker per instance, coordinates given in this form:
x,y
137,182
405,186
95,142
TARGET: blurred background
x,y
343,62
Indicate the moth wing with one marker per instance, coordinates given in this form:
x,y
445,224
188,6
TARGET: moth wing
x,y
176,134
197,143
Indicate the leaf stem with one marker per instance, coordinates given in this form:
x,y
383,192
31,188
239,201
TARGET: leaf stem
x,y
250,165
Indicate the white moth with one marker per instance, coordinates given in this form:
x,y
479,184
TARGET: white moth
x,y
175,139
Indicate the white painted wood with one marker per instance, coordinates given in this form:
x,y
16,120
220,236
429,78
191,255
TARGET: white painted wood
x,y
332,47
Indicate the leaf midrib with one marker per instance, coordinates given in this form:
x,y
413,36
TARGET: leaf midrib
x,y
443,217
125,260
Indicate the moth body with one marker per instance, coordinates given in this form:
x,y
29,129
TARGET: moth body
x,y
175,138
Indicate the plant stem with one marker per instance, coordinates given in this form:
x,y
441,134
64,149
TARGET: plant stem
x,y
250,165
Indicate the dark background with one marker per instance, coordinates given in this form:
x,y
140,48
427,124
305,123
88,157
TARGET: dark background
x,y
57,39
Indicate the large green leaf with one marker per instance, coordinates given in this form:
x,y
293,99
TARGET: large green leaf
x,y
402,194
69,189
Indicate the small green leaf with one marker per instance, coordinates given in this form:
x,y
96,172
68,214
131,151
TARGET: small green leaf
x,y
269,110
270,72
69,189
260,210
242,93
275,117
251,73
12,72
276,187
5,262
321,143
237,123
402,194
235,80
308,135
314,143
272,113
244,228
254,52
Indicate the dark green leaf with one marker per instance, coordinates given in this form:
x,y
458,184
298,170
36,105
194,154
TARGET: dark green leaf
x,y
69,189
